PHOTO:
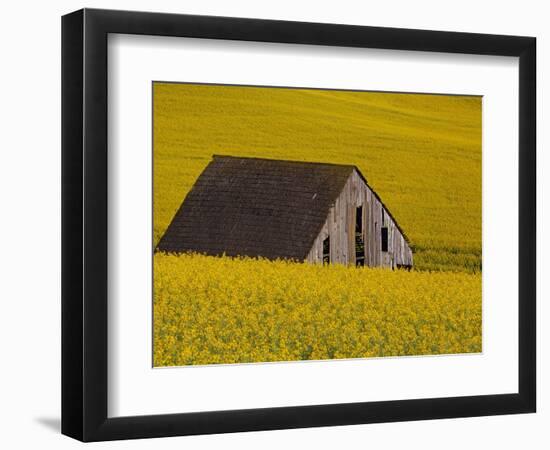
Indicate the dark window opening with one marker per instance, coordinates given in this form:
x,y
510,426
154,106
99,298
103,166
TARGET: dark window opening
x,y
326,250
384,231
359,241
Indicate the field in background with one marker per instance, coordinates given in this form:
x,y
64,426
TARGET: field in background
x,y
421,153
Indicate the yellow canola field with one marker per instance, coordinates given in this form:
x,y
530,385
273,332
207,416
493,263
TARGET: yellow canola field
x,y
210,310
421,153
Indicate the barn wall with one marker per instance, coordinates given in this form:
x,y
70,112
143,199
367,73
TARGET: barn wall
x,y
340,225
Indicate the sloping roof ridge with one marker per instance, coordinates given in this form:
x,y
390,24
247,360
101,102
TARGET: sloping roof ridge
x,y
317,163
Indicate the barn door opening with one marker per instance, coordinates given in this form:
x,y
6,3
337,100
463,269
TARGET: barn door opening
x,y
384,231
359,241
326,250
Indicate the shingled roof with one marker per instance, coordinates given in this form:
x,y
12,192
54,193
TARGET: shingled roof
x,y
255,207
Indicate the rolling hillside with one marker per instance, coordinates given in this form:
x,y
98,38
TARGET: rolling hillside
x,y
421,153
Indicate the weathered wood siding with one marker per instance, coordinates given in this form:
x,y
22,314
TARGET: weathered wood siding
x,y
340,226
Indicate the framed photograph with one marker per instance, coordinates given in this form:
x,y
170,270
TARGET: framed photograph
x,y
272,224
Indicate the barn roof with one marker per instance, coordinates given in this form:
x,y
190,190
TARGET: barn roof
x,y
256,207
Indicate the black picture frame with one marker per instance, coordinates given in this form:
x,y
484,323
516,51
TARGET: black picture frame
x,y
84,224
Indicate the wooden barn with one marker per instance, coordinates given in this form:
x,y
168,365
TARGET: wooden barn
x,y
302,211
